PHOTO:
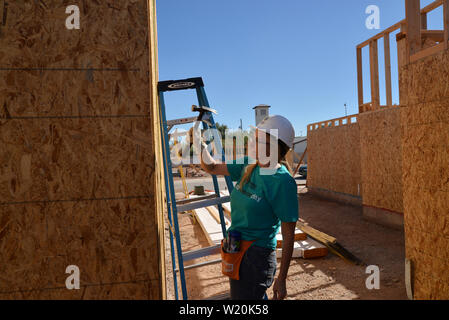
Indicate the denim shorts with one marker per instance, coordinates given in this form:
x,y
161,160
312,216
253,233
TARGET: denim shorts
x,y
256,274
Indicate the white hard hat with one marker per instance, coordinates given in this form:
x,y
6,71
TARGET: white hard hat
x,y
286,132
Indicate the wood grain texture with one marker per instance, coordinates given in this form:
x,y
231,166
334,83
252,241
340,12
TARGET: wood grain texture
x,y
432,83
110,241
334,159
73,93
425,153
77,157
45,160
381,159
113,34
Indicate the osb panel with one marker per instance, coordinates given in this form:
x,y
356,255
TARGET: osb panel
x,y
113,34
427,210
139,290
111,241
381,159
425,80
67,159
73,93
426,161
430,113
334,159
429,286
425,126
429,244
430,276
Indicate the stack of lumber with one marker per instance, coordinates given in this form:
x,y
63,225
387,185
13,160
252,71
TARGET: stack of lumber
x,y
330,242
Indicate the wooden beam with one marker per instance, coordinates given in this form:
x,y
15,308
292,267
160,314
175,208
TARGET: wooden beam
x,y
427,52
424,20
398,25
446,23
388,70
374,68
435,35
413,17
360,75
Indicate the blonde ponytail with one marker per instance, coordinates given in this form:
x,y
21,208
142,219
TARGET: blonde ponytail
x,y
283,150
247,175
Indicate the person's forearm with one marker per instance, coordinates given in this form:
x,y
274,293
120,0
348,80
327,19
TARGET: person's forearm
x,y
287,252
207,161
288,238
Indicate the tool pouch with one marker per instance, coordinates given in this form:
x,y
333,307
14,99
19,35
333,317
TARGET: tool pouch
x,y
230,262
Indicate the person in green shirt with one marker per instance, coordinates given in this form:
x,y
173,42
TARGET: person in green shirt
x,y
263,200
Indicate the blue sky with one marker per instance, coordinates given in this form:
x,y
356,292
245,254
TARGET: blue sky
x,y
297,56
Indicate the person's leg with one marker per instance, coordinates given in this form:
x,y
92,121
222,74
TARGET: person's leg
x,y
257,272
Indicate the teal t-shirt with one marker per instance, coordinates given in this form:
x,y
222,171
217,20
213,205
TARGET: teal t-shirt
x,y
266,199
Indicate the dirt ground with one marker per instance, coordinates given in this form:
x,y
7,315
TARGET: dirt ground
x,y
328,278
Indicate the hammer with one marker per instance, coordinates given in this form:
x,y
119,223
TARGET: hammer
x,y
202,111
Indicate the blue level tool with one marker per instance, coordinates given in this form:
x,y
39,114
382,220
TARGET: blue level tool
x,y
174,207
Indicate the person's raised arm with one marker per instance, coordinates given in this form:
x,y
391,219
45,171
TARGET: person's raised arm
x,y
209,164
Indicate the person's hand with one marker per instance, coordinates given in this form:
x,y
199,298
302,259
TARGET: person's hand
x,y
279,289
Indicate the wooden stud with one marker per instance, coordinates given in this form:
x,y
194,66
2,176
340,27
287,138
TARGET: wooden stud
x,y
413,17
360,75
388,69
374,68
424,20
446,23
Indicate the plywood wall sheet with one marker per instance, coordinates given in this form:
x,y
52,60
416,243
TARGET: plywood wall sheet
x,y
334,159
110,241
142,290
430,288
73,93
425,80
427,243
431,278
427,157
112,34
139,290
425,113
427,210
66,159
381,159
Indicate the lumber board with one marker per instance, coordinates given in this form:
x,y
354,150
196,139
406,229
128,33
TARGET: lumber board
x,y
330,242
374,74
216,215
307,249
387,57
212,230
446,23
299,236
360,75
413,16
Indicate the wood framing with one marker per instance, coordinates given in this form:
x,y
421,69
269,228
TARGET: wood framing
x,y
387,55
360,75
446,23
374,71
411,47
413,17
